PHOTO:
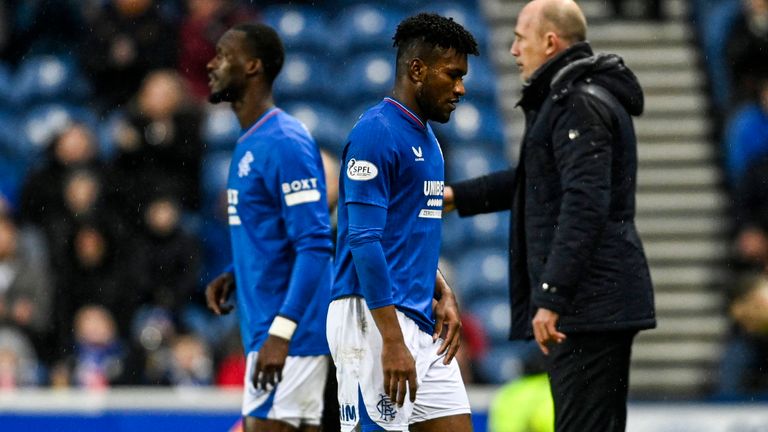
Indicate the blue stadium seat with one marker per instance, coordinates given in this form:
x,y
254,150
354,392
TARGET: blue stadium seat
x,y
221,128
49,78
305,77
480,81
6,87
494,310
301,28
471,161
42,123
214,173
718,22
10,142
107,132
465,14
368,27
368,78
325,124
507,361
473,122
11,179
482,272
484,231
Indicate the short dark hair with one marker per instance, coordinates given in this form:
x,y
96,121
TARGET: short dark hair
x,y
434,30
263,42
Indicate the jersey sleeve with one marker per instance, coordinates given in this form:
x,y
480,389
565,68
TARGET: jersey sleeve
x,y
369,164
299,179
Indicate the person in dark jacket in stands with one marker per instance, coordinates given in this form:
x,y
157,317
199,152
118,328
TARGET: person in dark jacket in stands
x,y
579,279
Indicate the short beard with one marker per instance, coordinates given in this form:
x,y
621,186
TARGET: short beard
x,y
225,95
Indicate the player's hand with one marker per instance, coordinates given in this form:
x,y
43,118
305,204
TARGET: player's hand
x,y
449,204
448,321
545,329
399,372
217,293
270,362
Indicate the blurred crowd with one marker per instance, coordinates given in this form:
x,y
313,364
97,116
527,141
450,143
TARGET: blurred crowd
x,y
113,216
734,35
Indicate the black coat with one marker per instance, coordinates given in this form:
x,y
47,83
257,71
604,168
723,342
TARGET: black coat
x,y
573,243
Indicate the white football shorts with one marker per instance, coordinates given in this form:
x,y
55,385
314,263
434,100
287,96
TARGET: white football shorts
x,y
297,399
356,346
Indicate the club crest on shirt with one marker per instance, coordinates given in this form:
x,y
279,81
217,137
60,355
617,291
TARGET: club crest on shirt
x,y
244,166
361,170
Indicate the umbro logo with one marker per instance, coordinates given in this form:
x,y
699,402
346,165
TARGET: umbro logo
x,y
417,152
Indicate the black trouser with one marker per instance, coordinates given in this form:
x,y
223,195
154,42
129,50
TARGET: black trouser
x,y
589,377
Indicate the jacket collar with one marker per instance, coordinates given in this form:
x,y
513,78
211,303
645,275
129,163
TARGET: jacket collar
x,y
538,86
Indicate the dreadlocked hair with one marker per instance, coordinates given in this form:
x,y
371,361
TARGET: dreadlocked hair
x,y
435,30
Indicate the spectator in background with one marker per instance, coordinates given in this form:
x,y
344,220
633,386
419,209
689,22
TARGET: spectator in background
x,y
159,149
74,148
127,40
745,358
95,274
747,49
170,258
18,361
205,23
98,359
41,26
748,162
25,290
746,138
191,362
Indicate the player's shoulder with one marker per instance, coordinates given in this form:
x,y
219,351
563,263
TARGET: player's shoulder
x,y
289,136
373,125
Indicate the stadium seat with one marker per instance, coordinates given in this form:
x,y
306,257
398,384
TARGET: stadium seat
x,y
305,77
10,147
368,78
107,132
482,272
464,13
507,360
11,179
471,161
368,27
301,28
214,173
325,124
221,128
6,87
717,25
41,124
494,310
473,122
480,82
49,78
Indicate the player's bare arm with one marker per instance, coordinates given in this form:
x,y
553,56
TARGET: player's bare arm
x,y
396,360
269,365
447,319
217,293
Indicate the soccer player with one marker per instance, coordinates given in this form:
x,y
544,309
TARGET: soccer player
x,y
381,324
281,239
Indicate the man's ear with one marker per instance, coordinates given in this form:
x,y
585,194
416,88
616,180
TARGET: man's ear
x,y
254,66
417,69
553,43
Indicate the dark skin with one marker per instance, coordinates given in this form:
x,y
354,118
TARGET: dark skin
x,y
237,77
429,83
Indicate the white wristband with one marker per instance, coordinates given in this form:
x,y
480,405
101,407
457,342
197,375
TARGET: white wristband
x,y
282,327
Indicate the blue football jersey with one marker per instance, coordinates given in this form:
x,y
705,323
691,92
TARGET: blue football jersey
x,y
277,206
393,160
